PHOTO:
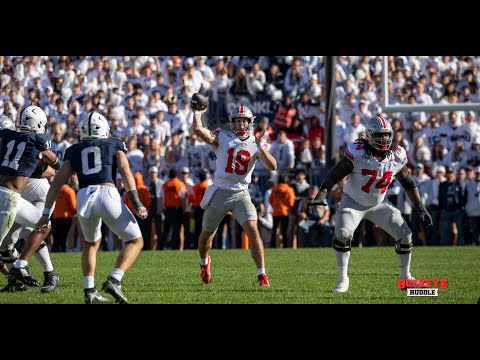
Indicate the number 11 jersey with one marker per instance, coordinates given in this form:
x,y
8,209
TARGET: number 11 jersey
x,y
20,152
235,161
368,182
95,161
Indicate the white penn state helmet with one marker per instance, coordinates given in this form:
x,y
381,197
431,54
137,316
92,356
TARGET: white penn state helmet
x,y
6,123
32,118
94,126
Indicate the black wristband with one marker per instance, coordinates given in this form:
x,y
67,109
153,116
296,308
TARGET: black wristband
x,y
56,164
134,199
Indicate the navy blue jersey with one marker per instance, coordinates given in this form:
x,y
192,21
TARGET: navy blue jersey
x,y
20,152
95,161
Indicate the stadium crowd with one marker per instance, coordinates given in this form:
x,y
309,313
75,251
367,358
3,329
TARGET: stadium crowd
x,y
147,101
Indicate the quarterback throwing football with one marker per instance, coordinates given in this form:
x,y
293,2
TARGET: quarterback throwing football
x,y
236,151
371,164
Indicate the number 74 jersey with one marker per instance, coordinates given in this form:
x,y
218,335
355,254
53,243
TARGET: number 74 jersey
x,y
368,182
235,160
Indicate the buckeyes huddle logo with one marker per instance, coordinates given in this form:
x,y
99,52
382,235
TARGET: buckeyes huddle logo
x,y
422,287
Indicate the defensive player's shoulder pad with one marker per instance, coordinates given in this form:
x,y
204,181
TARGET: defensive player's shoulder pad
x,y
400,154
354,150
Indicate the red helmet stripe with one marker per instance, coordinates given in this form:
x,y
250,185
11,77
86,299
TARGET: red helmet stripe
x,y
241,110
384,123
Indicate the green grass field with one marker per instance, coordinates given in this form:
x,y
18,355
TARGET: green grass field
x,y
297,276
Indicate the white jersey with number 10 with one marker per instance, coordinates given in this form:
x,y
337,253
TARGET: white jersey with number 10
x,y
368,182
235,160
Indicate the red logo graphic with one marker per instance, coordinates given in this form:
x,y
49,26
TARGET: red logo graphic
x,y
422,283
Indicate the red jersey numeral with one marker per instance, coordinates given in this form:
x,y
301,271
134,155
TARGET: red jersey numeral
x,y
241,161
381,184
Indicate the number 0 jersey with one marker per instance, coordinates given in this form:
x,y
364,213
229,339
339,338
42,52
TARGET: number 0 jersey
x,y
95,161
367,183
20,152
235,161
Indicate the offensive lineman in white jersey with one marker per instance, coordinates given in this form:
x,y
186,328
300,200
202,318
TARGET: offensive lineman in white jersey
x,y
236,151
370,165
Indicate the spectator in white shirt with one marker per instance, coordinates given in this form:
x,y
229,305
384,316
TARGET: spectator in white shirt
x,y
420,154
422,97
134,155
283,151
472,206
347,108
296,79
353,130
135,128
256,80
207,74
141,99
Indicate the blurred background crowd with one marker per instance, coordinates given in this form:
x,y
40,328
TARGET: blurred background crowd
x,y
146,100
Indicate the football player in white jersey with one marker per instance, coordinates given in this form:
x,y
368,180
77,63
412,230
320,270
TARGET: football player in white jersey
x,y
35,193
237,151
370,165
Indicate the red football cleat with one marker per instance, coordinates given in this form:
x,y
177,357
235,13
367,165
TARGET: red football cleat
x,y
205,274
263,280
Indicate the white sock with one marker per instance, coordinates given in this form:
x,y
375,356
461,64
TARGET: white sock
x,y
204,261
261,271
43,257
20,263
117,274
89,282
342,263
404,264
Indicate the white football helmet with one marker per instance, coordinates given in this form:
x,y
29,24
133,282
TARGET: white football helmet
x,y
242,111
32,118
94,126
374,130
6,123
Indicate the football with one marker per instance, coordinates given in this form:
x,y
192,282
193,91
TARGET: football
x,y
198,102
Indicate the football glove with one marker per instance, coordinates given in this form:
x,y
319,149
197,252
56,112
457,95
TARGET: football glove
x,y
320,199
424,214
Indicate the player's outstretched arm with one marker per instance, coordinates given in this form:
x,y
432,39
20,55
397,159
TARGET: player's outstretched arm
x,y
130,187
264,155
342,169
205,134
65,172
411,188
51,159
